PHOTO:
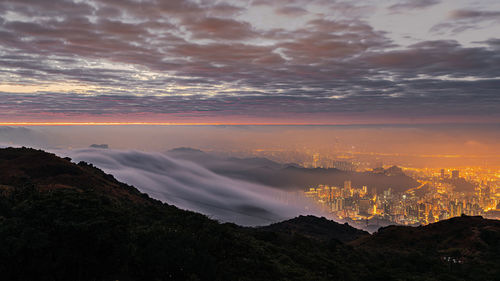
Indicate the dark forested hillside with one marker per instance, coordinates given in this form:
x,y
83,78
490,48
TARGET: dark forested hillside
x,y
65,221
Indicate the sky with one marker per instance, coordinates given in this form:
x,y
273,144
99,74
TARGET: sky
x,y
250,62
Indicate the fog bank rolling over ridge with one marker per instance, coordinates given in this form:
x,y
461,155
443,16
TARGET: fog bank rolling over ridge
x,y
188,185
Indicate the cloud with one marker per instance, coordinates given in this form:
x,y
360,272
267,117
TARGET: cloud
x,y
474,14
101,146
190,186
492,43
451,95
218,28
291,11
20,136
408,5
464,19
438,58
218,58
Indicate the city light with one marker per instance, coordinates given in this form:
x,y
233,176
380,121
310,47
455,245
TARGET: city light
x,y
442,194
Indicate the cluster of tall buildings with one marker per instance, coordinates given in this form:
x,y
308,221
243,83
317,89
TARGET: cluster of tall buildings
x,y
437,198
319,161
455,174
344,201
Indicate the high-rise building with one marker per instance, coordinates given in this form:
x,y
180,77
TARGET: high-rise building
x,y
344,166
442,173
365,206
455,174
315,162
430,217
347,184
456,209
338,204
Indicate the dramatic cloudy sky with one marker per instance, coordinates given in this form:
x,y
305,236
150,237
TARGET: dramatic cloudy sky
x,y
261,61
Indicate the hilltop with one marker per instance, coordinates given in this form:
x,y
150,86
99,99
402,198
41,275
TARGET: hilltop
x,y
320,229
464,238
26,168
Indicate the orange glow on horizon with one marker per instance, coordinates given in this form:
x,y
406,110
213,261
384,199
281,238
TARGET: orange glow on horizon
x,y
219,123
156,124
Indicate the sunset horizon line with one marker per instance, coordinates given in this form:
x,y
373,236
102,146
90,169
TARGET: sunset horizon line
x,y
232,124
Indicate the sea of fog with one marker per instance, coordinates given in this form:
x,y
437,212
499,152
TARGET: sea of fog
x,y
190,186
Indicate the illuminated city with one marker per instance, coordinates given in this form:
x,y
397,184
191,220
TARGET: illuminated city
x,y
442,194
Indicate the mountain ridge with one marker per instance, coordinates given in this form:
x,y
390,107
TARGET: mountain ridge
x,y
316,228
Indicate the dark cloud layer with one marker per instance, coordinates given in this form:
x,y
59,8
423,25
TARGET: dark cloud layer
x,y
205,58
413,4
463,19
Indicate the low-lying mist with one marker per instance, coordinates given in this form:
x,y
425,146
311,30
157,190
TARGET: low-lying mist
x,y
431,146
190,186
